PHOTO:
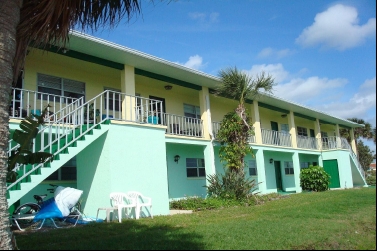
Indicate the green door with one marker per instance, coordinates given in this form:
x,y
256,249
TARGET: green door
x,y
279,183
331,167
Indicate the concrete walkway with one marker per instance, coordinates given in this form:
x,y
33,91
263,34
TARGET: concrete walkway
x,y
172,212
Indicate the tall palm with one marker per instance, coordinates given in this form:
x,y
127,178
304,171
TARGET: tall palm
x,y
366,132
235,128
26,23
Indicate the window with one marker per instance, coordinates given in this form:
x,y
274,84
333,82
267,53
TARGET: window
x,y
288,167
195,167
302,131
66,172
58,86
304,165
114,99
192,111
284,128
253,168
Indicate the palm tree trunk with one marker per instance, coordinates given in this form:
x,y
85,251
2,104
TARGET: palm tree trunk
x,y
9,18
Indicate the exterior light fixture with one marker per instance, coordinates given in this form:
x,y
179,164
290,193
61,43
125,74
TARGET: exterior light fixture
x,y
283,115
168,87
271,160
176,158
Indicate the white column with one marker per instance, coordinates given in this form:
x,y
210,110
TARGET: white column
x,y
205,111
317,131
209,159
292,129
256,118
259,156
127,79
337,133
353,141
296,168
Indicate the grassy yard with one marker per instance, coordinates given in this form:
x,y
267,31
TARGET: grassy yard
x,y
332,220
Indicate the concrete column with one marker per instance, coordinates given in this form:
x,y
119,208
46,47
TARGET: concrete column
x,y
296,168
353,141
259,156
127,79
205,111
209,159
256,119
317,132
292,129
337,134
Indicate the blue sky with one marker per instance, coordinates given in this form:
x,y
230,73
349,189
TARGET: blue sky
x,y
321,53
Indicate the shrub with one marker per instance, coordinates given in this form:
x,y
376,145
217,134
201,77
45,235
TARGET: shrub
x,y
371,178
230,185
314,178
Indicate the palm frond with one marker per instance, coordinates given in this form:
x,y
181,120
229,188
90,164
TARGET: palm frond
x,y
44,22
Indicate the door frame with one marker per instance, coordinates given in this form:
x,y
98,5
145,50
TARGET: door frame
x,y
278,175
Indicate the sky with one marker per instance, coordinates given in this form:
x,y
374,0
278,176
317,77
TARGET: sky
x,y
322,54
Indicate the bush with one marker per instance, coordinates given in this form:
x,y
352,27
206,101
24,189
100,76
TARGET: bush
x,y
230,185
314,178
371,178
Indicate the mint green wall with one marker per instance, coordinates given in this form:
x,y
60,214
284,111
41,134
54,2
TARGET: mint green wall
x,y
126,158
344,166
179,185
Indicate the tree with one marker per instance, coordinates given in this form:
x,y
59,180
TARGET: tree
x,y
365,155
235,129
365,132
39,23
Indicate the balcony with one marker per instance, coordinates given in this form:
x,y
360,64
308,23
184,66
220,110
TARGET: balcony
x,y
272,137
183,126
305,142
216,127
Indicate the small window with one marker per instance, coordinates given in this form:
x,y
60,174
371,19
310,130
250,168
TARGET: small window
x,y
304,165
67,172
284,128
288,167
253,168
191,111
55,86
195,167
302,131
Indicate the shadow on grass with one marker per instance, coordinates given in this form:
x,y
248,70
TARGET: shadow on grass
x,y
128,235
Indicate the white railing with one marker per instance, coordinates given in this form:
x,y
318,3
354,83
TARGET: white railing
x,y
60,133
273,137
216,127
305,142
329,143
26,102
346,145
184,126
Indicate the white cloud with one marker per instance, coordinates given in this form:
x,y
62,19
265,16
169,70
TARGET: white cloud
x,y
269,52
194,62
276,70
338,28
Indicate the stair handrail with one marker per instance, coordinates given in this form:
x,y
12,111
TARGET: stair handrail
x,y
353,155
66,131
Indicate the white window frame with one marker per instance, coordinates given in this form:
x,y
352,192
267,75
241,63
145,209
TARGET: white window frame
x,y
199,166
61,87
288,168
111,98
301,131
195,111
284,127
253,170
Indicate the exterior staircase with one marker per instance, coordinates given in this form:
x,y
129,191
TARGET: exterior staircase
x,y
64,138
358,174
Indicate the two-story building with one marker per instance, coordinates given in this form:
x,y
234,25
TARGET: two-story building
x,y
123,120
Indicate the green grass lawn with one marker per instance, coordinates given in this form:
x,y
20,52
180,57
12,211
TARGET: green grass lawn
x,y
331,220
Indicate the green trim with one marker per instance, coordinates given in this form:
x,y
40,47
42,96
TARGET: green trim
x,y
304,116
167,79
84,57
344,126
213,91
267,106
325,122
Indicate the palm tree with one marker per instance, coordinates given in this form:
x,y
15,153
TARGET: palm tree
x,y
40,23
366,132
235,128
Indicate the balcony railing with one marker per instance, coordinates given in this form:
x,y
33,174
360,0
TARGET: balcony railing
x,y
26,102
216,127
183,126
305,142
273,137
329,143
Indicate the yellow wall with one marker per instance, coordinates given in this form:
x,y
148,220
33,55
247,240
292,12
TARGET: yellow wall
x,y
304,123
221,106
268,115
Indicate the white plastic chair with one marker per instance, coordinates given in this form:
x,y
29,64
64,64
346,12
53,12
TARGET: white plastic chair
x,y
141,201
122,201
